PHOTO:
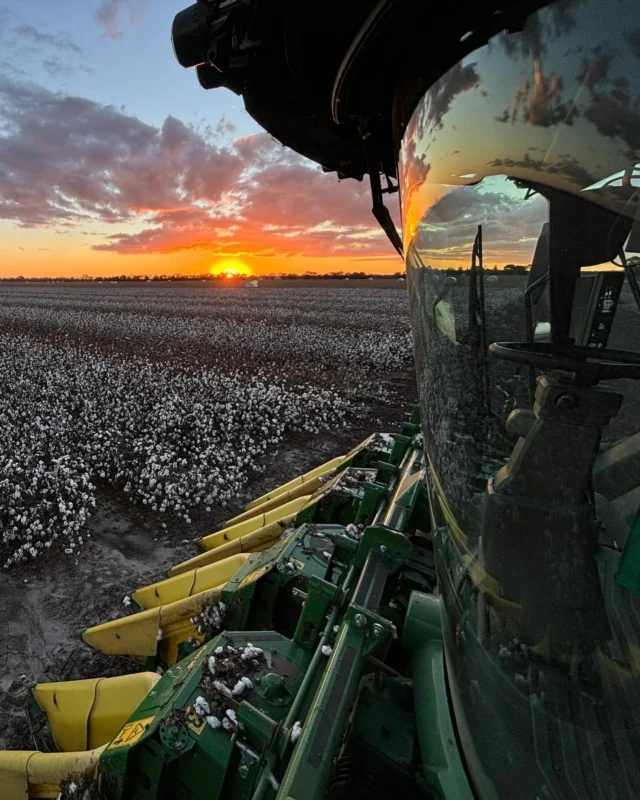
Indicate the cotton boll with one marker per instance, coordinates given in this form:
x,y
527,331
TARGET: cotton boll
x,y
201,707
238,689
295,732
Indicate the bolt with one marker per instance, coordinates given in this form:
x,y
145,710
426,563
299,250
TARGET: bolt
x,y
360,620
377,629
383,548
566,401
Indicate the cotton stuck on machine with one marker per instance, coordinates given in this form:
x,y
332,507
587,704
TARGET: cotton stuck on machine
x,y
452,611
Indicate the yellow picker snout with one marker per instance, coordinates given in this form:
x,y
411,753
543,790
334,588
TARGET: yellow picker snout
x,y
83,717
168,607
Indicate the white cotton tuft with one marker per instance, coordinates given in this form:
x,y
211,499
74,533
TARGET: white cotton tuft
x,y
214,722
222,688
201,707
238,689
250,652
295,732
326,650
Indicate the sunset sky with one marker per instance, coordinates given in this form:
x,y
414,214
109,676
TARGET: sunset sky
x,y
113,160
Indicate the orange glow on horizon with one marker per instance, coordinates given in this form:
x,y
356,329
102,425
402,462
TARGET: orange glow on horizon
x,y
231,268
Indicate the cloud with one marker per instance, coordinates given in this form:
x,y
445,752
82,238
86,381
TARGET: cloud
x,y
69,162
610,105
278,205
456,81
109,12
58,41
66,159
565,165
633,40
23,43
612,109
595,70
539,101
541,29
58,68
614,116
510,226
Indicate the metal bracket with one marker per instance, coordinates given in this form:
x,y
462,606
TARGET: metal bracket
x,y
393,545
319,597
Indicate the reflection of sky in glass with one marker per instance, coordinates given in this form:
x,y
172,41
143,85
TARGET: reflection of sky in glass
x,y
511,224
557,103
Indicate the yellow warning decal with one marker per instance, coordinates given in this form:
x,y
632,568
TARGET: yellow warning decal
x,y
131,732
194,721
253,576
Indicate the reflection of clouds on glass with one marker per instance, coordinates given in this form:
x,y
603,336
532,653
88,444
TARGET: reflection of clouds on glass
x,y
416,169
565,166
457,206
510,224
556,104
613,117
612,108
633,40
595,70
556,21
460,79
539,101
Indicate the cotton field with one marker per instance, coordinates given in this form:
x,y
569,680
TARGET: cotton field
x,y
361,328
175,396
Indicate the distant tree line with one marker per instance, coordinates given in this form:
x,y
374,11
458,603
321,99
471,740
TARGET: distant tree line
x,y
508,269
212,278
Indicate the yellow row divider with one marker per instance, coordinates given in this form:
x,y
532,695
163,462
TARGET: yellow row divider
x,y
255,523
306,488
86,714
250,543
152,631
28,774
189,583
323,469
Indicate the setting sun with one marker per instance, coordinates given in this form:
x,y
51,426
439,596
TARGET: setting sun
x,y
231,268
